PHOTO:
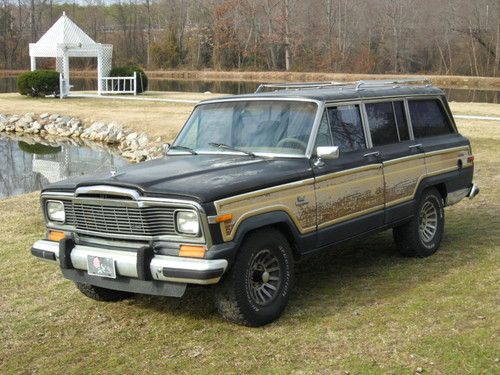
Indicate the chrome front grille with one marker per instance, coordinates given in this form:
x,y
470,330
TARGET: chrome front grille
x,y
122,220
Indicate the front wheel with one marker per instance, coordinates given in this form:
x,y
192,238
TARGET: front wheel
x,y
422,236
257,288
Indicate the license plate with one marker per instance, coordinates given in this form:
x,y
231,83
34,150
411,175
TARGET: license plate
x,y
101,266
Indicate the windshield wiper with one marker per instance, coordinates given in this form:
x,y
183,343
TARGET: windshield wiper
x,y
227,147
184,148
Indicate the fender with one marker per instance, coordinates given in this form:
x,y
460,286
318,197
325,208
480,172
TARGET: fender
x,y
299,242
450,181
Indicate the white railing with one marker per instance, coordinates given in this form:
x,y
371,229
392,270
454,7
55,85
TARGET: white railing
x,y
119,85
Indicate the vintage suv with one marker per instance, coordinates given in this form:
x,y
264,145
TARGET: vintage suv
x,y
254,182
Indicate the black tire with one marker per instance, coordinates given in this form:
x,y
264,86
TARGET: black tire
x,y
102,294
242,296
417,238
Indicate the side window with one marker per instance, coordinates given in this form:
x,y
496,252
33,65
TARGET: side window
x,y
428,118
399,111
324,137
382,123
346,127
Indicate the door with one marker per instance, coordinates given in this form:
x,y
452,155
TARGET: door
x,y
403,160
349,190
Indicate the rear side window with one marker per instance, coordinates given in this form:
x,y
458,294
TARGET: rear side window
x,y
428,118
346,127
382,123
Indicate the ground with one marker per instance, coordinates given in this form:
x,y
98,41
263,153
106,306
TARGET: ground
x,y
359,309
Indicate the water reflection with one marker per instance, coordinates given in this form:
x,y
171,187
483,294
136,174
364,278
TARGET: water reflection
x,y
28,164
8,84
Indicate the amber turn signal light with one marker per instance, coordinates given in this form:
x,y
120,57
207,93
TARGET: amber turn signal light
x,y
55,235
192,251
223,218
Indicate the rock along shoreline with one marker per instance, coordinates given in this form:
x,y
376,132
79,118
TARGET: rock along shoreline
x,y
132,146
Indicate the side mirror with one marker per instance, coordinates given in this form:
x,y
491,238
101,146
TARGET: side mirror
x,y
328,152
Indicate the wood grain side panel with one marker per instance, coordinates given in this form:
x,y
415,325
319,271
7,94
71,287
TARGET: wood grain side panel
x,y
282,198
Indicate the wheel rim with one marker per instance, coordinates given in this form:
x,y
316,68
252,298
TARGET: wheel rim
x,y
264,278
428,222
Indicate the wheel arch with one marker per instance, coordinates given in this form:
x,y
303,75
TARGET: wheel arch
x,y
280,220
439,182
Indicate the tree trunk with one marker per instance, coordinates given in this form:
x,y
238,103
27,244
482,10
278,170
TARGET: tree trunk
x,y
148,41
497,51
272,54
288,56
32,21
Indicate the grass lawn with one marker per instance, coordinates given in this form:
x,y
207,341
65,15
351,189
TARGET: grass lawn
x,y
360,309
157,119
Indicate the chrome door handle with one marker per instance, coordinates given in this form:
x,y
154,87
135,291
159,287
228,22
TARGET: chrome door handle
x,y
419,146
374,154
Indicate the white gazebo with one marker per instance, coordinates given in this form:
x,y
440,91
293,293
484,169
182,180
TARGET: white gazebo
x,y
64,40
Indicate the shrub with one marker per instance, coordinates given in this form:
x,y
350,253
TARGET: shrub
x,y
128,71
38,148
38,83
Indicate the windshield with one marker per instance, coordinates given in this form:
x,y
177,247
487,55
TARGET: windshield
x,y
275,127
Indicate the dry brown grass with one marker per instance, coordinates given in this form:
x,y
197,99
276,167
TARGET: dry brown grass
x,y
478,109
268,76
157,119
362,309
439,80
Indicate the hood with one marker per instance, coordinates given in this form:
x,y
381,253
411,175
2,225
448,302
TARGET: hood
x,y
204,178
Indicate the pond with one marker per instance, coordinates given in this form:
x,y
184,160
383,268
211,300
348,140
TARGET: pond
x,y
29,166
8,84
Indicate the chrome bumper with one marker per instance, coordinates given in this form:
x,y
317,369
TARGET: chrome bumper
x,y
457,196
474,190
162,267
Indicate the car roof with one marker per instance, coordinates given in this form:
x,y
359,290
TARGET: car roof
x,y
339,93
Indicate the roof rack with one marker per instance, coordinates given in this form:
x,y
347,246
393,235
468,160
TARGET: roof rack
x,y
297,85
381,82
357,85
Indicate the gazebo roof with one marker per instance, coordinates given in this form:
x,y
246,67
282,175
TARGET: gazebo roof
x,y
65,36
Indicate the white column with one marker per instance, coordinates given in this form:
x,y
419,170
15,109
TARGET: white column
x,y
33,63
99,72
135,83
66,73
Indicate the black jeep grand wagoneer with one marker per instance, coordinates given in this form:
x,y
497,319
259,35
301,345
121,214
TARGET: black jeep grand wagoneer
x,y
254,182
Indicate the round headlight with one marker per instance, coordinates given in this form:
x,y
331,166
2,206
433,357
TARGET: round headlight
x,y
55,211
187,222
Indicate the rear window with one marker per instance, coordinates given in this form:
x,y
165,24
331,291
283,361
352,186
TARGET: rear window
x,y
347,128
428,118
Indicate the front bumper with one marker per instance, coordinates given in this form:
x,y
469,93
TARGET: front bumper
x,y
131,264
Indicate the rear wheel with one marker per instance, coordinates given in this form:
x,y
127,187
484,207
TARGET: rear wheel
x,y
256,290
422,236
102,294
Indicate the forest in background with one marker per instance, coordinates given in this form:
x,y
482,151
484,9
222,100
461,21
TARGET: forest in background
x,y
452,37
